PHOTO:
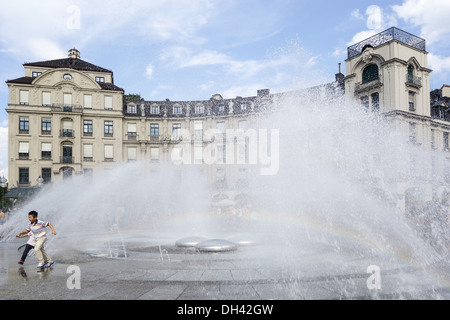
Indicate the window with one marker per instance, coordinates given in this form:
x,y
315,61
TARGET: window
x,y
67,130
46,126
176,129
221,127
87,101
67,76
433,139
24,176
109,129
221,152
375,102
36,74
154,130
221,108
67,154
177,110
412,132
100,79
46,99
88,152
198,128
154,155
243,106
132,131
87,127
411,96
24,150
370,73
410,74
46,175
446,145
365,103
24,125
108,103
24,97
109,153
155,110
132,154
199,109
46,151
132,108
67,100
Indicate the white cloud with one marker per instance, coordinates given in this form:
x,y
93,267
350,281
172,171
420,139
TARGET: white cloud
x,y
357,14
377,20
438,63
149,71
432,16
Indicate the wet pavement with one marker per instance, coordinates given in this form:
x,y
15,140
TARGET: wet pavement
x,y
162,271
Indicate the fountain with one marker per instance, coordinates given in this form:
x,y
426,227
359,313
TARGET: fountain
x,y
330,211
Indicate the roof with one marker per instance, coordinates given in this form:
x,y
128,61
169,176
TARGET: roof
x,y
103,85
69,63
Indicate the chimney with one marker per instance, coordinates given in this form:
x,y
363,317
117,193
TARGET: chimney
x,y
74,54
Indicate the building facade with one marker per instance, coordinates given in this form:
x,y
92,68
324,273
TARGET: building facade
x,y
67,117
388,74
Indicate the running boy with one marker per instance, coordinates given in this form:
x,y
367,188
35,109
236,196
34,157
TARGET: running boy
x,y
29,245
37,227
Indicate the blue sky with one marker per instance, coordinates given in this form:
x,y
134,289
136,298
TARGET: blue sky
x,y
192,49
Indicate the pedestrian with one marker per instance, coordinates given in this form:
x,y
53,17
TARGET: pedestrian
x,y
2,217
28,246
37,227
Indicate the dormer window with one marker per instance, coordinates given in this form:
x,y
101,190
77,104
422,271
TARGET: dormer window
x,y
36,74
100,79
132,108
177,110
370,73
199,109
155,110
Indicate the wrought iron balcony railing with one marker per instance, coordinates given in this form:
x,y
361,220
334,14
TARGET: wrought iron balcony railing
x,y
66,133
386,36
359,87
414,81
72,108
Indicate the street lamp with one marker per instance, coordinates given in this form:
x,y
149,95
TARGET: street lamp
x,y
3,184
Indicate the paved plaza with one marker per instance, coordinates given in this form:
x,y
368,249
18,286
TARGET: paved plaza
x,y
129,270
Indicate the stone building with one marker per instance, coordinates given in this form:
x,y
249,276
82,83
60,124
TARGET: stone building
x,y
67,117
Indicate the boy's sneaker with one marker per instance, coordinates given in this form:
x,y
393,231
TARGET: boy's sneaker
x,y
41,265
48,265
20,262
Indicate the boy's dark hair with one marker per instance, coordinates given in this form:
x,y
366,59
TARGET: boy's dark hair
x,y
33,213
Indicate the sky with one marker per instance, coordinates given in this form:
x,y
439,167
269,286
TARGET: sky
x,y
193,49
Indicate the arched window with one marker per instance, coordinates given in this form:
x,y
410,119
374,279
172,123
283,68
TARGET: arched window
x,y
410,73
370,73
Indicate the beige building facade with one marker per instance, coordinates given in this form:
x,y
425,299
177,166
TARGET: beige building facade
x,y
388,74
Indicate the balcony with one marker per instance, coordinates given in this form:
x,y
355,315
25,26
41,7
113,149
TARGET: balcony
x,y
132,136
361,87
66,133
67,108
385,37
414,81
